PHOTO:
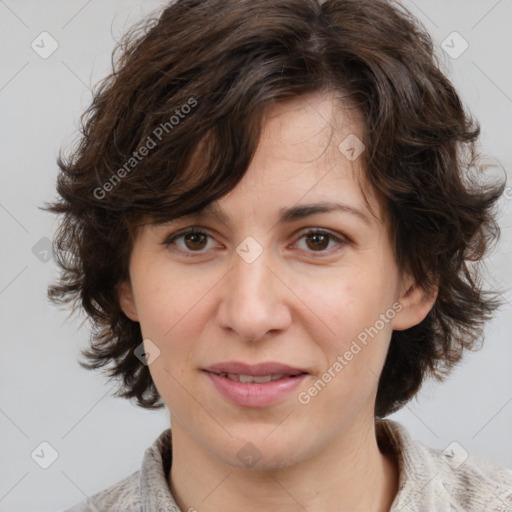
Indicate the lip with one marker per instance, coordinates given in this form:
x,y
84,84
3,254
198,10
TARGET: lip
x,y
257,370
255,394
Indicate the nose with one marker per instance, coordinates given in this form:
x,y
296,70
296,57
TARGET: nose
x,y
254,301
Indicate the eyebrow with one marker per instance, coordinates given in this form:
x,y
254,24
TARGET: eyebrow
x,y
286,215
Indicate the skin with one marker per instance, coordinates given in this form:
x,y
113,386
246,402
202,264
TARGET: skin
x,y
301,302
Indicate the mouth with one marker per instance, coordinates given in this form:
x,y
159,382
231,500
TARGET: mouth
x,y
259,385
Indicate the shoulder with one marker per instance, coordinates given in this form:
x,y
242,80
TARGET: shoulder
x,y
471,482
449,479
146,489
121,497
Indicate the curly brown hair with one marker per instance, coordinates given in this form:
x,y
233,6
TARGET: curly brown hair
x,y
175,125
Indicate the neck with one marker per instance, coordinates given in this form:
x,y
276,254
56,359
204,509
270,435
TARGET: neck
x,y
351,474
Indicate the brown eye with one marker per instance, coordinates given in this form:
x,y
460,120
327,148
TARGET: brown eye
x,y
319,241
190,241
195,240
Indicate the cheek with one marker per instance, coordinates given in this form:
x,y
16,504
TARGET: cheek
x,y
351,303
358,310
170,315
166,298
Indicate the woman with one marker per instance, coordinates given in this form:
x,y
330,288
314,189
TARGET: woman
x,y
268,221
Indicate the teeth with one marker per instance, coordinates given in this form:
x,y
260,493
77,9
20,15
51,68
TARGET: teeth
x,y
261,379
251,378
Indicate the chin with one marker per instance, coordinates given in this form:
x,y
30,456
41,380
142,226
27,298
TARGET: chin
x,y
263,452
264,462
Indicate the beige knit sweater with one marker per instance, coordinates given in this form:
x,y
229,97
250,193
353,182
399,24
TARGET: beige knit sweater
x,y
429,481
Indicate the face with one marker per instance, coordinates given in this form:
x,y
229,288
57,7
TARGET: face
x,y
318,294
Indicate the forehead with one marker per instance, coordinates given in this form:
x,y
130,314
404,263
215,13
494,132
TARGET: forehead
x,y
304,157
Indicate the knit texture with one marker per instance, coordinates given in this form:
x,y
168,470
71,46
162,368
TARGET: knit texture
x,y
430,480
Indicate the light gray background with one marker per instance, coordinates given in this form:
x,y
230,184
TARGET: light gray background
x,y
45,395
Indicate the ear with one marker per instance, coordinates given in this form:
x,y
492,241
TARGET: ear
x,y
126,300
415,305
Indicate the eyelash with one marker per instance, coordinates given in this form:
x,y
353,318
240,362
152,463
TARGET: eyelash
x,y
197,231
